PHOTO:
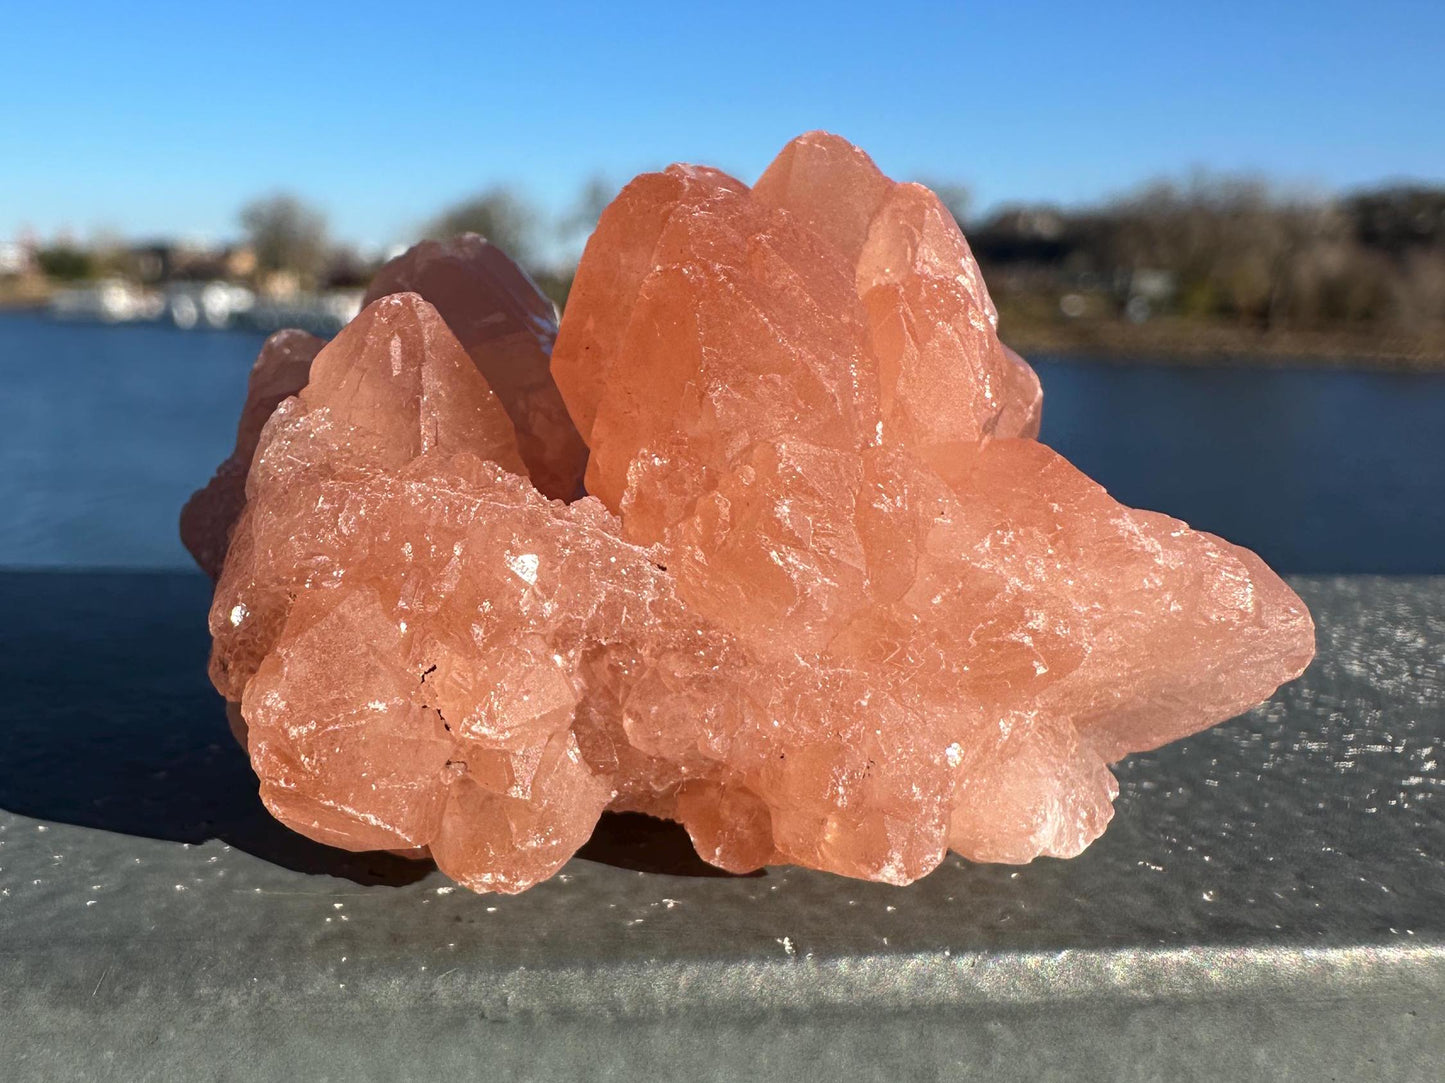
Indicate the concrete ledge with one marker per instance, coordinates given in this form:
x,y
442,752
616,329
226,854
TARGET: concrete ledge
x,y
1267,903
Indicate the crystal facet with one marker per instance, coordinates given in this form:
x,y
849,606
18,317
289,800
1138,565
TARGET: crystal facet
x,y
280,371
507,327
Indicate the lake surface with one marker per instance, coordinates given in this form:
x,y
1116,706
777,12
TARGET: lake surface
x,y
104,432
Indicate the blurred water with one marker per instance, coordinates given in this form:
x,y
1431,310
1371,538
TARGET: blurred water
x,y
1317,470
104,431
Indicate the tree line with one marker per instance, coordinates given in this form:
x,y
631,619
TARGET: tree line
x,y
1219,249
1230,249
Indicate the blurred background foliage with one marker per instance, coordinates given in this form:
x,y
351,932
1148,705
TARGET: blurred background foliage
x,y
1210,265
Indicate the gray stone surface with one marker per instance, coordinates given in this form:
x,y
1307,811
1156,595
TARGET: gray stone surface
x,y
1267,903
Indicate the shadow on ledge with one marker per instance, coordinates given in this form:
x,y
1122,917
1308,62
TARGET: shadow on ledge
x,y
630,840
109,722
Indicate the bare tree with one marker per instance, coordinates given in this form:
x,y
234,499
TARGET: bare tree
x,y
502,217
581,220
956,197
286,235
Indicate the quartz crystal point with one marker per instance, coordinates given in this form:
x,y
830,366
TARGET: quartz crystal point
x,y
828,305
280,370
831,602
507,327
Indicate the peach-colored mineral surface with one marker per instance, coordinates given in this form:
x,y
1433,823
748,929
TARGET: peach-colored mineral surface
x,y
507,327
829,603
207,519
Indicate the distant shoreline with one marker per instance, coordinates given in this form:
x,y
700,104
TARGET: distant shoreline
x,y
1169,342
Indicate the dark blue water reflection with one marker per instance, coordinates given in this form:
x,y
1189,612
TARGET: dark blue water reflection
x,y
1317,470
104,431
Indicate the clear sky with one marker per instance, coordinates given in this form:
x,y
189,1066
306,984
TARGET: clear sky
x,y
164,118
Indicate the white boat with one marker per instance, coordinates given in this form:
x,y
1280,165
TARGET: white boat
x,y
207,304
111,300
320,313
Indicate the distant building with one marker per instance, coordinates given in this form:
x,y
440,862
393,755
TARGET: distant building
x,y
167,261
240,261
16,258
1022,235
1154,285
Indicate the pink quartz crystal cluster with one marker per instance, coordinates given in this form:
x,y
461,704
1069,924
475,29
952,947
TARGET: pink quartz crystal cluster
x,y
829,601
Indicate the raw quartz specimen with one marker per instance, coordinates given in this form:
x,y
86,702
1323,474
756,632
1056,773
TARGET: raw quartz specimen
x,y
830,602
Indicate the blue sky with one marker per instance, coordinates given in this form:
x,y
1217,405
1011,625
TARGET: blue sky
x,y
160,118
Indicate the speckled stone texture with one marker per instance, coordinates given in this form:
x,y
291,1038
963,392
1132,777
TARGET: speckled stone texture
x,y
1265,905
